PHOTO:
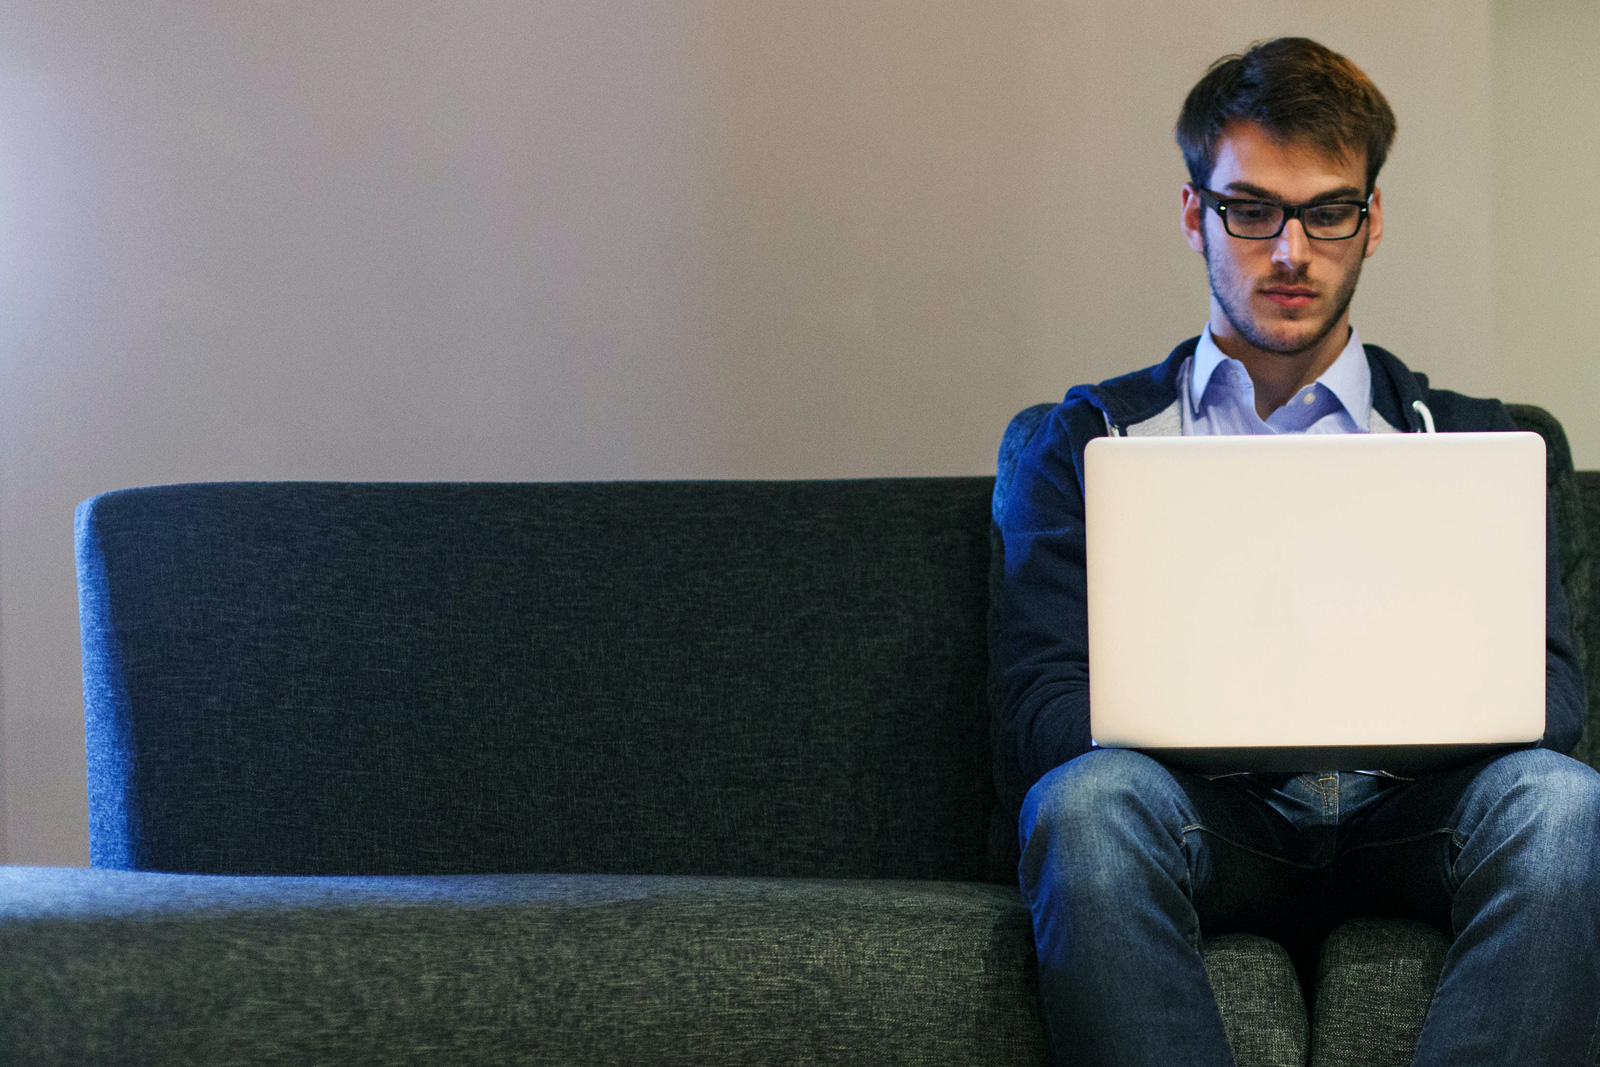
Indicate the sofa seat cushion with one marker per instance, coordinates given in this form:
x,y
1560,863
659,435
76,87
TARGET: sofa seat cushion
x,y
1375,980
1258,992
130,967
121,967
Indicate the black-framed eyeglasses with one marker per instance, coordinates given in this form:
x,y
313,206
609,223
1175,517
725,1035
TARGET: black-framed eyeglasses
x,y
1262,220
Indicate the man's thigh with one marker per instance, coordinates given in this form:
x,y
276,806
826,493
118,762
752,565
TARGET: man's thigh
x,y
1252,867
1397,856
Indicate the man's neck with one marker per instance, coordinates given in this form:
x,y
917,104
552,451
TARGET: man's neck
x,y
1277,376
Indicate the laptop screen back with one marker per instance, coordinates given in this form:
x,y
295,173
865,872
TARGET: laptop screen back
x,y
1338,592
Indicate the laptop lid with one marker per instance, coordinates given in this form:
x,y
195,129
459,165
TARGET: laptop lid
x,y
1306,602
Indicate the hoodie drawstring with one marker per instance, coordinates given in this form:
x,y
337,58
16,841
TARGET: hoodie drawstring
x,y
1427,416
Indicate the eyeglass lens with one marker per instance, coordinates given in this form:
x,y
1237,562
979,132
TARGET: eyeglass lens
x,y
1258,218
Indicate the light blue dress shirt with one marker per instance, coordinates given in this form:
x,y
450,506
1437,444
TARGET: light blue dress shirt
x,y
1219,398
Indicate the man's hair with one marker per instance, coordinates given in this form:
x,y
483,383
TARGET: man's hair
x,y
1296,90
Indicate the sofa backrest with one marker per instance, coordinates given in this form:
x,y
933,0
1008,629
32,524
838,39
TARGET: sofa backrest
x,y
742,678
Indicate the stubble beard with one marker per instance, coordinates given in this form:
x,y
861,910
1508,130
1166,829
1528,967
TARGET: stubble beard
x,y
1234,299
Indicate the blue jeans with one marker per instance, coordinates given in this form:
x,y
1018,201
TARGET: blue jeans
x,y
1126,862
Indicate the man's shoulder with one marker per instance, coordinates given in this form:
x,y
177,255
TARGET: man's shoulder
x,y
1133,397
1043,446
1397,389
1456,412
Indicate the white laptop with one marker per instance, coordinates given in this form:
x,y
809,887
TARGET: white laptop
x,y
1292,603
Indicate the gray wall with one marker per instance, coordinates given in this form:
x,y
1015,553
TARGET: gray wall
x,y
634,239
1546,155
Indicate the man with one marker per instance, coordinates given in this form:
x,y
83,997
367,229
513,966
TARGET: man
x,y
1126,863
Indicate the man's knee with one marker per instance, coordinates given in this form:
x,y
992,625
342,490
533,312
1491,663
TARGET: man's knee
x,y
1545,808
1101,800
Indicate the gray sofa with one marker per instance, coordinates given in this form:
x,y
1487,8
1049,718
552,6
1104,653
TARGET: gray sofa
x,y
548,774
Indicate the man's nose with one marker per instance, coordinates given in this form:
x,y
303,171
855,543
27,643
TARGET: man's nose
x,y
1292,249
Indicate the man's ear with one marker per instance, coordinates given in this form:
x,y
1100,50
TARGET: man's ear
x,y
1375,221
1194,217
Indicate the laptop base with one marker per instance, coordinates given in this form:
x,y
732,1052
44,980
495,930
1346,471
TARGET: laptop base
x,y
1399,759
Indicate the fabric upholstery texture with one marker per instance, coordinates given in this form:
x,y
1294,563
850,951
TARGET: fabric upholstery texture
x,y
736,678
132,968
1263,1011
1375,982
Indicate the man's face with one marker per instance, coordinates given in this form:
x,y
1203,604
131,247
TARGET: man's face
x,y
1287,294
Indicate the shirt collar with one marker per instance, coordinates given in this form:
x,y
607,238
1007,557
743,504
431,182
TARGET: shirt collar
x,y
1348,378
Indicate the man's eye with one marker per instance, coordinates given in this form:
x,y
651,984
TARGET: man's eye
x,y
1331,215
1251,210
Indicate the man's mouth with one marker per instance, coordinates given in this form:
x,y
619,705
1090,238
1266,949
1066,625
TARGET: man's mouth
x,y
1289,296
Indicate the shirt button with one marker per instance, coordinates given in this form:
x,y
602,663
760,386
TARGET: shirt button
x,y
1308,398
